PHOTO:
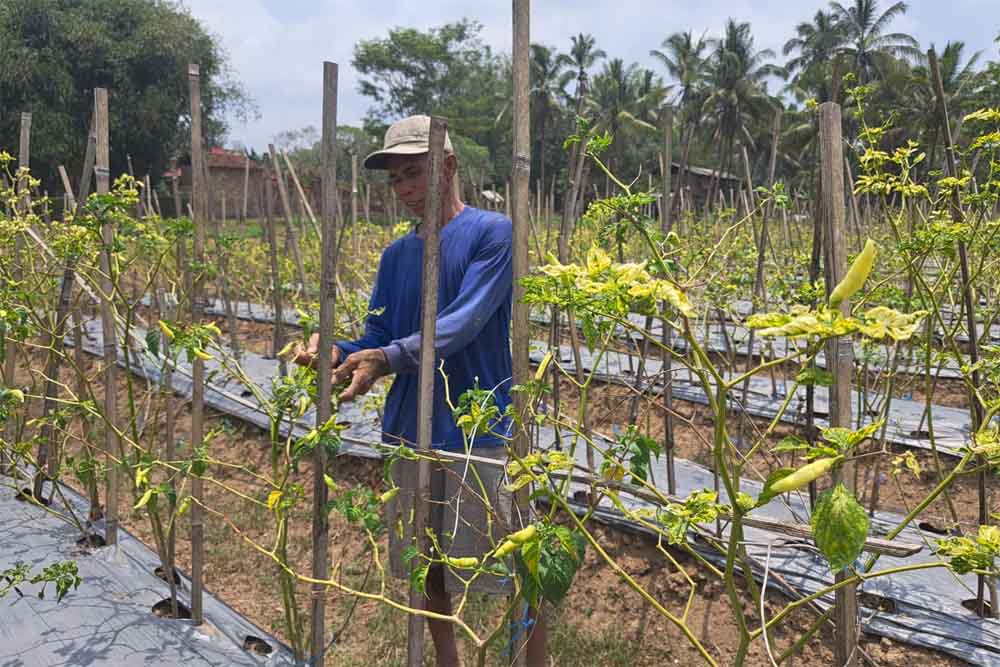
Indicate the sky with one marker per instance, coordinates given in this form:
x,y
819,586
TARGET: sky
x,y
276,47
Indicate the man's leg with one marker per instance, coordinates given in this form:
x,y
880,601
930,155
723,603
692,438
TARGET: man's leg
x,y
442,632
538,640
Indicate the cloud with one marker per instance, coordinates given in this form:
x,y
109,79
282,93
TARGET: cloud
x,y
277,47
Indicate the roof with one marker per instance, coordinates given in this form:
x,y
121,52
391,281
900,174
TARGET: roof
x,y
704,171
220,158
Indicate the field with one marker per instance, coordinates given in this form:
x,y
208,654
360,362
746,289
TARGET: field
x,y
757,427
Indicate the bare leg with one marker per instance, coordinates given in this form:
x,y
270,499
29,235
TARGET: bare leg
x,y
538,640
442,632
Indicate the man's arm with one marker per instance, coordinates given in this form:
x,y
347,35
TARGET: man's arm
x,y
486,285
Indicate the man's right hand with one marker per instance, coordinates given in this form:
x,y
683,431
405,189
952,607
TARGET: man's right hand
x,y
306,355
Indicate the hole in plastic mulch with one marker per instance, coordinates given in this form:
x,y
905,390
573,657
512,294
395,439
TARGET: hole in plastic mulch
x,y
159,573
91,541
257,645
877,602
27,495
929,527
163,609
921,434
972,606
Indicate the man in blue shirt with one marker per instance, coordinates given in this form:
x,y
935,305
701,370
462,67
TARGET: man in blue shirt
x,y
472,341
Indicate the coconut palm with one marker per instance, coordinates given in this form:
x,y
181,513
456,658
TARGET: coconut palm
x,y
866,42
546,91
581,57
685,59
738,97
816,44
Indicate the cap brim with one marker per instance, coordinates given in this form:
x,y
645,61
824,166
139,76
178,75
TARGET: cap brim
x,y
380,159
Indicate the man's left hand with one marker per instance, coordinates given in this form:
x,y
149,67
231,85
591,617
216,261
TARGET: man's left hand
x,y
363,368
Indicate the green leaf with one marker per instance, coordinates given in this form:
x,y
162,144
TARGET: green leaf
x,y
840,527
814,376
791,443
418,578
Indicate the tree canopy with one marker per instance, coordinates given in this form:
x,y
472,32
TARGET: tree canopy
x,y
56,52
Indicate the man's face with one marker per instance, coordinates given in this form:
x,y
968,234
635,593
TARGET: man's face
x,y
408,178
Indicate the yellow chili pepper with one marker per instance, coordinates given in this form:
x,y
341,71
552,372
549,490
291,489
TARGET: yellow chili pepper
x,y
542,367
167,331
856,275
463,563
203,355
505,549
389,495
804,475
523,535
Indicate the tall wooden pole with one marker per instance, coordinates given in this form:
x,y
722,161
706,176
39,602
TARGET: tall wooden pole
x,y
976,406
286,207
88,162
666,201
425,411
356,238
327,303
198,206
521,180
112,448
840,351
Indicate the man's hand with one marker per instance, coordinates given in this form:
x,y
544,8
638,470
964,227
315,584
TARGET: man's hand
x,y
363,368
307,355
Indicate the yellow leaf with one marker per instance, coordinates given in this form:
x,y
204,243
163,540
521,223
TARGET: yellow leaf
x,y
272,499
145,499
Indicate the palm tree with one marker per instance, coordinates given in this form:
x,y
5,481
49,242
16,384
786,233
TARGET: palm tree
x,y
581,57
684,58
546,90
623,101
738,97
866,42
958,82
817,43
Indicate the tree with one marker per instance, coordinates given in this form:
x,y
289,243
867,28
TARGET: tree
x,y
546,91
738,97
684,58
446,71
866,42
817,43
55,53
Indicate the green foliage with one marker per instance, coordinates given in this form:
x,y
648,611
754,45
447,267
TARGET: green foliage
x,y
698,508
635,448
58,52
548,563
966,554
65,575
840,527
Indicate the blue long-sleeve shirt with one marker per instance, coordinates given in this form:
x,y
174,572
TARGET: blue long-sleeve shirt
x,y
473,324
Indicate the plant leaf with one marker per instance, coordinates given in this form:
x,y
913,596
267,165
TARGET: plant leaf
x,y
840,527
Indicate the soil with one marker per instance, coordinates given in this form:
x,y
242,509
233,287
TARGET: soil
x,y
602,621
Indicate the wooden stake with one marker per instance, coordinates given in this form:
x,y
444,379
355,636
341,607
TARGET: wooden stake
x,y
199,206
112,448
276,288
88,162
293,237
246,185
840,351
975,406
425,411
301,192
327,321
521,177
355,237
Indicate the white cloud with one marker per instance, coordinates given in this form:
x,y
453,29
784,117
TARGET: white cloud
x,y
277,47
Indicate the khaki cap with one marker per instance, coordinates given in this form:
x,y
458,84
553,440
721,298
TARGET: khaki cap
x,y
410,136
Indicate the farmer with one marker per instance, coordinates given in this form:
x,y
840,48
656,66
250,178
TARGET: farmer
x,y
473,342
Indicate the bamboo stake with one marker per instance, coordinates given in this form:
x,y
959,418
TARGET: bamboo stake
x,y
355,237
276,288
975,407
301,192
246,185
227,301
327,303
521,176
425,412
168,306
88,162
111,444
293,237
199,201
840,351
666,203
